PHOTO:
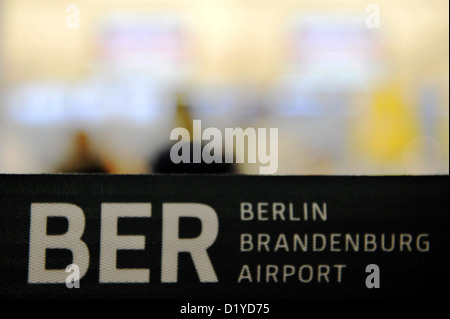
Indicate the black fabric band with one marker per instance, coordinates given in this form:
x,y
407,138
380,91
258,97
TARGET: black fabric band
x,y
276,237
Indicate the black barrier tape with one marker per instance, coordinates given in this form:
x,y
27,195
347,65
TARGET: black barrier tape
x,y
206,236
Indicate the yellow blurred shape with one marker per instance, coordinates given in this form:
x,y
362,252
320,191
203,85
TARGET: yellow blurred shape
x,y
388,126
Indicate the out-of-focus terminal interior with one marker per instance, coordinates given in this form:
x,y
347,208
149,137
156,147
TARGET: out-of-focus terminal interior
x,y
98,85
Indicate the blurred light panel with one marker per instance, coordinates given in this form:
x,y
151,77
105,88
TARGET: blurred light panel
x,y
347,99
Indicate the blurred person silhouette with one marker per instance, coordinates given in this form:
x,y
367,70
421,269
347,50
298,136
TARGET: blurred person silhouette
x,y
82,158
164,164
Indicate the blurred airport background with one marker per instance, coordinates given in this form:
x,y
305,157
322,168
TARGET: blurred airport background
x,y
102,93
